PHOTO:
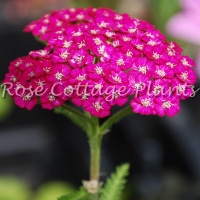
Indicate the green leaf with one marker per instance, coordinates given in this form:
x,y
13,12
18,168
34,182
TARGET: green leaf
x,y
115,185
75,116
81,194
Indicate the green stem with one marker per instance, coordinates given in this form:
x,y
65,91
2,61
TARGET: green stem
x,y
115,118
94,132
95,157
95,139
76,112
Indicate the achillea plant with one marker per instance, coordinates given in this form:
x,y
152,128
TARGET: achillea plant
x,y
97,58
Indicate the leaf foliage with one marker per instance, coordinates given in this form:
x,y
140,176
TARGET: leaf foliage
x,y
115,184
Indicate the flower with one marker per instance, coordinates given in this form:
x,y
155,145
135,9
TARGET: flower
x,y
97,58
185,24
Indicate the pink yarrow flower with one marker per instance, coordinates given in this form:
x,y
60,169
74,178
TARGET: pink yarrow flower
x,y
97,58
185,24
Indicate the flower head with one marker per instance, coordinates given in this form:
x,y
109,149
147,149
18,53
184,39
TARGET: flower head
x,y
97,59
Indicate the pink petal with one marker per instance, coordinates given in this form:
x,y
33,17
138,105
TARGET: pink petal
x,y
185,26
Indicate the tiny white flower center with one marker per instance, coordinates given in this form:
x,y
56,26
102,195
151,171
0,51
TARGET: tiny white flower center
x,y
139,86
129,53
139,46
119,25
81,44
146,102
171,45
32,26
94,32
47,69
98,70
76,34
120,62
151,43
132,30
81,77
98,86
125,38
101,50
64,55
60,37
68,89
118,17
42,52
27,97
18,63
98,106
40,83
161,72
59,76
156,55
184,76
103,24
117,78
59,23
67,44
28,64
51,98
97,41
157,90
185,62
115,43
170,64
66,16
79,16
109,34
142,69
166,104
171,52
150,35
79,58
31,74
43,29
181,88
13,78
85,96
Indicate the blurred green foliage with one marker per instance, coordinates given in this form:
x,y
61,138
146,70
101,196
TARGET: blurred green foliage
x,y
52,190
6,105
13,188
162,11
95,3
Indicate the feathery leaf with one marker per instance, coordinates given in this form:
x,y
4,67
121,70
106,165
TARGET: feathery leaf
x,y
115,184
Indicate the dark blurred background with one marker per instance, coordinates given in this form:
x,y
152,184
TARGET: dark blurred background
x,y
40,150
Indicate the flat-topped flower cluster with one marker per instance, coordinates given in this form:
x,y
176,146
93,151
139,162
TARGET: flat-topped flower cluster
x,y
102,49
